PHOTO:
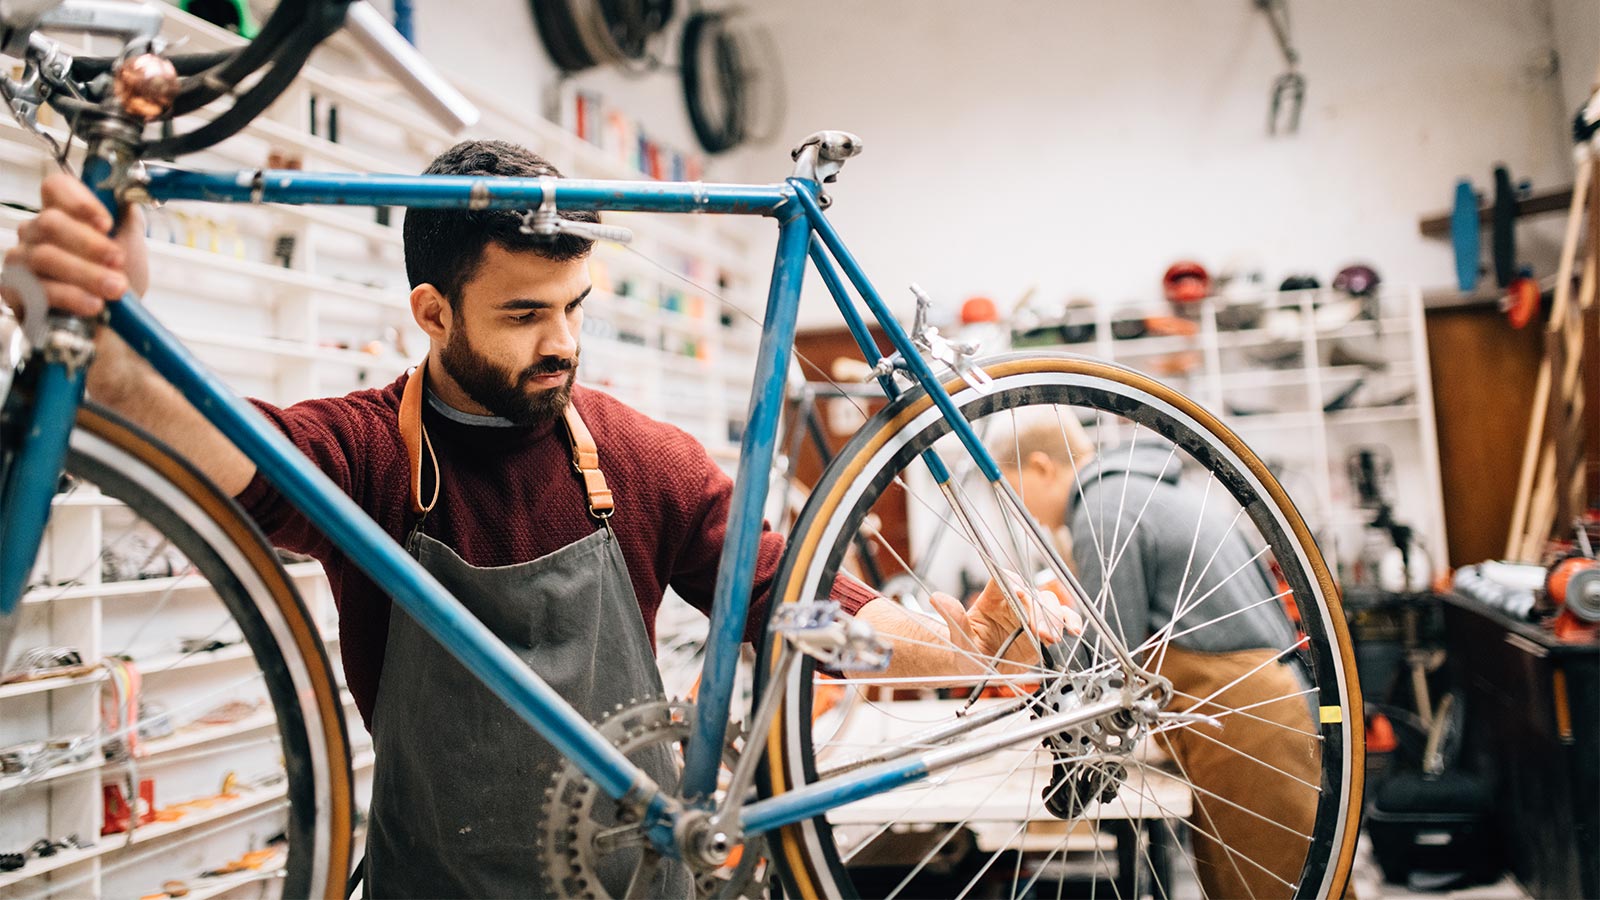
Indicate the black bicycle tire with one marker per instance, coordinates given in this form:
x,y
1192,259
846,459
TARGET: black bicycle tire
x,y
714,137
285,69
559,35
631,24
1341,817
318,784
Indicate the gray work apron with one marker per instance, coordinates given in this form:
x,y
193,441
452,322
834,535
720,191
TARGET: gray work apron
x,y
459,781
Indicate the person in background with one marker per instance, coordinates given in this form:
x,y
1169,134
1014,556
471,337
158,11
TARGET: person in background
x,y
1251,770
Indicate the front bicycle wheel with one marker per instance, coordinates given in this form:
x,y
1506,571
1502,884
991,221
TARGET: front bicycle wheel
x,y
169,719
1251,777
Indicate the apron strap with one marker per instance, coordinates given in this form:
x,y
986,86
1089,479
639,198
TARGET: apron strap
x,y
585,455
586,459
416,439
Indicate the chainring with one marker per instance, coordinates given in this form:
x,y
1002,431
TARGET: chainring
x,y
566,838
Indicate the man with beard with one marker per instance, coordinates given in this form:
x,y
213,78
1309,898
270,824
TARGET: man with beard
x,y
557,514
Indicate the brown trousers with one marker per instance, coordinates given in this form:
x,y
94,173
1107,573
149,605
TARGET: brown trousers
x,y
1254,771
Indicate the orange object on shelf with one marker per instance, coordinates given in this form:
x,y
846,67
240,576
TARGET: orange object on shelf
x,y
979,309
1170,326
1380,734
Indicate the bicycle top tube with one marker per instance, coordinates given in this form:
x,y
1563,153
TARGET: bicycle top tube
x,y
466,191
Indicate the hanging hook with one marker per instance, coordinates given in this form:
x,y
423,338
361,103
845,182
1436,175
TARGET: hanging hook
x,y
1291,84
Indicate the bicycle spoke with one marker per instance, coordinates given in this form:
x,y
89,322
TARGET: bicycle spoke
x,y
1231,711
1209,622
952,832
1200,579
1200,733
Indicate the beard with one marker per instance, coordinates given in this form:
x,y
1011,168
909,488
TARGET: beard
x,y
503,392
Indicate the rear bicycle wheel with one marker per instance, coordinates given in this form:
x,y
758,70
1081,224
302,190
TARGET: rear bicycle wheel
x,y
1268,781
213,684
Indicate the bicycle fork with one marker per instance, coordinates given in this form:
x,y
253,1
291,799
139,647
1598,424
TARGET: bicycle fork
x,y
36,423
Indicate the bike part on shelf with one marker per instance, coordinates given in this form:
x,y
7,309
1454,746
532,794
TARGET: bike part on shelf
x,y
1466,236
1186,282
995,798
572,839
228,551
1521,302
1359,280
45,662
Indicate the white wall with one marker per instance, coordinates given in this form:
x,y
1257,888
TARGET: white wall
x,y
1082,146
1575,26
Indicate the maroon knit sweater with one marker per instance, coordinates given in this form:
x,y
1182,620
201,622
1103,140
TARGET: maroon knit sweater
x,y
508,495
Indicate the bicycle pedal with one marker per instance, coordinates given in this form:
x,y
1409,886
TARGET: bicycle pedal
x,y
841,642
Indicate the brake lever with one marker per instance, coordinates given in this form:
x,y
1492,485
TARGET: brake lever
x,y
958,356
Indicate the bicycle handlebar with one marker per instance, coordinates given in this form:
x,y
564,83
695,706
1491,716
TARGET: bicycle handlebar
x,y
281,48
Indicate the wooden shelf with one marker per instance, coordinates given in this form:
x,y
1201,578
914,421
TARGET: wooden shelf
x,y
1438,224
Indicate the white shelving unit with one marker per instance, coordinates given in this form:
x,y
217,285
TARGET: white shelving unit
x,y
1274,380
333,319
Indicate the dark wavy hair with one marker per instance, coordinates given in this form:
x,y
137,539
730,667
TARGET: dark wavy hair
x,y
444,247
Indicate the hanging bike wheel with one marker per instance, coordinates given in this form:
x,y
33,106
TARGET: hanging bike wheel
x,y
1252,777
211,678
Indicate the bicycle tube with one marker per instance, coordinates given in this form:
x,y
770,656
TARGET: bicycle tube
x,y
31,476
1345,748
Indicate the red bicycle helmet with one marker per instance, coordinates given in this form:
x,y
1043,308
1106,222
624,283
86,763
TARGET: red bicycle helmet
x,y
1186,282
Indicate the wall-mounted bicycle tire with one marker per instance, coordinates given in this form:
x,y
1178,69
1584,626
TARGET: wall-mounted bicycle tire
x,y
558,31
710,60
632,23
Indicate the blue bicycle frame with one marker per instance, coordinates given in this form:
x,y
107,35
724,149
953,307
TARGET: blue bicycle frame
x,y
804,233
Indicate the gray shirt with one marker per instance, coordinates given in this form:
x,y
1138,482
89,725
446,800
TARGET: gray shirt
x,y
1150,571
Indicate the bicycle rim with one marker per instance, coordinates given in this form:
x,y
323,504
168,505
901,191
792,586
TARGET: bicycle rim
x,y
825,856
235,716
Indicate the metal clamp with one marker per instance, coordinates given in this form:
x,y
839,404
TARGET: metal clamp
x,y
70,342
958,356
545,222
845,643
